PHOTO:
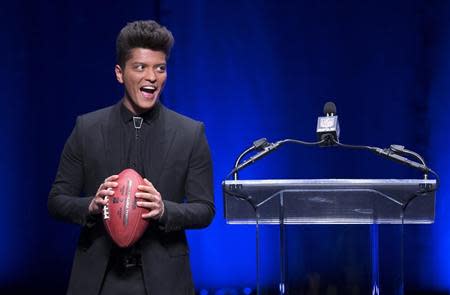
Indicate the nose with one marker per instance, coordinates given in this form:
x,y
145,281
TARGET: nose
x,y
150,75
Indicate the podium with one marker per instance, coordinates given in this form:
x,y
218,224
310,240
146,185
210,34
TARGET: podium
x,y
330,201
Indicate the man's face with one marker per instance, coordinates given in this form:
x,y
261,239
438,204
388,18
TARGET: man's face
x,y
143,76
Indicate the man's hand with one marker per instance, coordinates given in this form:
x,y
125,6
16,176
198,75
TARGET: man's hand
x,y
105,189
150,199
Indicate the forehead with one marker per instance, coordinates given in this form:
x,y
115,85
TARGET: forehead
x,y
144,55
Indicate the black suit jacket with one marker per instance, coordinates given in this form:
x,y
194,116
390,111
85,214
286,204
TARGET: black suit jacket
x,y
178,163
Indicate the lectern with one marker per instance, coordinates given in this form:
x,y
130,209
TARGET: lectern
x,y
329,201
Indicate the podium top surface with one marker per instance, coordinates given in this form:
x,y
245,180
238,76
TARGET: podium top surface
x,y
330,201
332,182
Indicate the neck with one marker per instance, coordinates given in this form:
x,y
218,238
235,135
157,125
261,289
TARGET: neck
x,y
131,107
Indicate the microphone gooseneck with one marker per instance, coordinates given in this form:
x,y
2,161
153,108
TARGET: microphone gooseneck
x,y
257,144
328,132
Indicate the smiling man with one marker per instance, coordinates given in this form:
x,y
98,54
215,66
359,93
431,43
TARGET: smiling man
x,y
144,75
169,150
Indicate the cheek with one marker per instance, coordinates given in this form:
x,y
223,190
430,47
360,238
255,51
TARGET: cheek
x,y
129,82
162,79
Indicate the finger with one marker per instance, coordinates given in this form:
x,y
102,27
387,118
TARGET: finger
x,y
104,192
148,189
151,215
148,205
147,183
100,202
110,184
111,178
149,197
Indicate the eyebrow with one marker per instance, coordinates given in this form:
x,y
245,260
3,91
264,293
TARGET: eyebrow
x,y
143,63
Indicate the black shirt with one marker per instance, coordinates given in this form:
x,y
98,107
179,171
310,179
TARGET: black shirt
x,y
136,134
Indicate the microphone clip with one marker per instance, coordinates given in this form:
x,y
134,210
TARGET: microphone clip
x,y
328,130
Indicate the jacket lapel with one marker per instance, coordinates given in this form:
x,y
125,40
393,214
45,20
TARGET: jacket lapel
x,y
158,147
113,142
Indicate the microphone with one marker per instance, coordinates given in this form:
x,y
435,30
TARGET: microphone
x,y
268,148
328,129
257,145
390,154
396,148
260,143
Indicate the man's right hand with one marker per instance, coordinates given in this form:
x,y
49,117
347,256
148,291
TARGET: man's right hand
x,y
105,189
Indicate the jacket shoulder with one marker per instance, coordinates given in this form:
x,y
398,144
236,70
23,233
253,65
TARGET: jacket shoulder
x,y
97,115
95,118
181,121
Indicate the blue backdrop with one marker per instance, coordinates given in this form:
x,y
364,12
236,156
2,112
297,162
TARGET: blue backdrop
x,y
248,69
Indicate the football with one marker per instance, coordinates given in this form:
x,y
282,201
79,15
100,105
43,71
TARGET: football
x,y
121,216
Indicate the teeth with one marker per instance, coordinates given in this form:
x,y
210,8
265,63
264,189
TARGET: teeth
x,y
149,88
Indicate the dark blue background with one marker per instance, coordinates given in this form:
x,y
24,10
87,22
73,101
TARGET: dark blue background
x,y
248,69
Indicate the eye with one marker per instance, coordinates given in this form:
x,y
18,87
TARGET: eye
x,y
161,68
139,67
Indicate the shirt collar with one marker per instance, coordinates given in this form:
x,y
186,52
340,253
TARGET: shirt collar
x,y
148,116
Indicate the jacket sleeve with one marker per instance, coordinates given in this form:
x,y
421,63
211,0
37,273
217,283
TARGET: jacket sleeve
x,y
198,210
65,201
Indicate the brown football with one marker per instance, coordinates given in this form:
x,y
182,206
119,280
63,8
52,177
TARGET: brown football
x,y
121,216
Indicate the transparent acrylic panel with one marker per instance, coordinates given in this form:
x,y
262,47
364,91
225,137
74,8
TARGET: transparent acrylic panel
x,y
330,201
329,236
330,259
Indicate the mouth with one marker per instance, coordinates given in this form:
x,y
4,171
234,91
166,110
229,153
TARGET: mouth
x,y
150,89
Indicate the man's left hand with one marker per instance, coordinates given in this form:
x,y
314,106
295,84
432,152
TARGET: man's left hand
x,y
151,199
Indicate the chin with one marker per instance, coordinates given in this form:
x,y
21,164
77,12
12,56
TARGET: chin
x,y
140,104
147,105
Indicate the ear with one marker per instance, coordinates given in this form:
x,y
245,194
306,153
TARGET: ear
x,y
119,74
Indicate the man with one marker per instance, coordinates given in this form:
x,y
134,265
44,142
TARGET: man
x,y
169,150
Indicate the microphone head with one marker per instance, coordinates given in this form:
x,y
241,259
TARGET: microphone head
x,y
328,126
329,108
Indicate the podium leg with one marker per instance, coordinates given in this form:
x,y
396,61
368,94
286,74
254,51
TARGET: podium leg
x,y
258,257
282,286
402,254
374,245
387,259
